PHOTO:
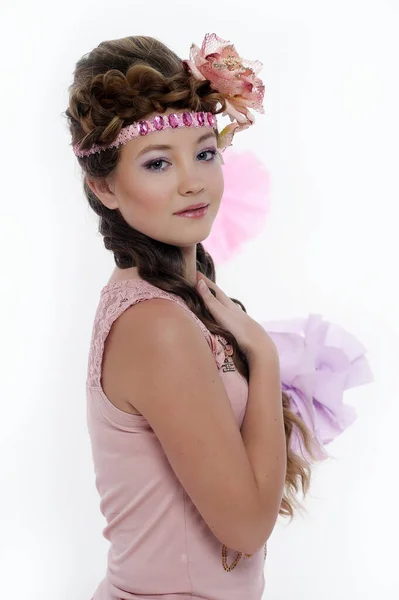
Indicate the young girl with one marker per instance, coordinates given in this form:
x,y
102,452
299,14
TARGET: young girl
x,y
189,427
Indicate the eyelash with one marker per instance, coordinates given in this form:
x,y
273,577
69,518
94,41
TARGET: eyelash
x,y
149,165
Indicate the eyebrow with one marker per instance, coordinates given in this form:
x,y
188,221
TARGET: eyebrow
x,y
203,137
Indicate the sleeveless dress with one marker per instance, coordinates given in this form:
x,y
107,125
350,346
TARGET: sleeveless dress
x,y
160,546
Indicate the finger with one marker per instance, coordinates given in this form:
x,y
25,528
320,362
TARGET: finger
x,y
211,284
208,294
220,295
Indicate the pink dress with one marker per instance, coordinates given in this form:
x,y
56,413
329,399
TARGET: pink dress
x,y
160,546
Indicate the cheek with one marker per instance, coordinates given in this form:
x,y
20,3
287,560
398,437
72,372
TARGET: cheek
x,y
145,205
147,195
218,184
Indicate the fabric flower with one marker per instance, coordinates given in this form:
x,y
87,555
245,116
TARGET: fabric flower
x,y
319,361
218,349
244,206
234,77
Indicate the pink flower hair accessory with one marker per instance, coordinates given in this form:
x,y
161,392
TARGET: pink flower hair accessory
x,y
232,76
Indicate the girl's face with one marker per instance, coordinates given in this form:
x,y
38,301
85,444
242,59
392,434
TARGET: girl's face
x,y
162,173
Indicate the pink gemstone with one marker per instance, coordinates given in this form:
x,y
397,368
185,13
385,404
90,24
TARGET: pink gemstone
x,y
187,119
158,122
211,119
201,118
143,128
173,120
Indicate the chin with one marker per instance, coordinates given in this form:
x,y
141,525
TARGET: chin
x,y
195,237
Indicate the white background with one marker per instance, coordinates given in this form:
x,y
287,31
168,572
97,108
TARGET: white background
x,y
330,140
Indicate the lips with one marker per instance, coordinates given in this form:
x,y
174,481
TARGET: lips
x,y
192,207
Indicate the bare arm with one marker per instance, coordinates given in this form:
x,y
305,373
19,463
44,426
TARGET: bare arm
x,y
263,433
166,370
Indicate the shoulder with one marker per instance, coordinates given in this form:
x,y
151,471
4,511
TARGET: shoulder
x,y
136,310
119,297
161,320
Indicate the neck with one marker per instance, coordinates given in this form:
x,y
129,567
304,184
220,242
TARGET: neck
x,y
190,256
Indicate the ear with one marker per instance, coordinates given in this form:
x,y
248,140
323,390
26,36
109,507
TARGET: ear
x,y
103,189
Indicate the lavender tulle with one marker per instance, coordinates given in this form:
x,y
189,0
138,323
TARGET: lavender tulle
x,y
319,361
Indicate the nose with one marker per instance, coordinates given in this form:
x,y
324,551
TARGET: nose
x,y
190,181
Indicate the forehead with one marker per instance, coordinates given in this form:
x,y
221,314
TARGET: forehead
x,y
169,139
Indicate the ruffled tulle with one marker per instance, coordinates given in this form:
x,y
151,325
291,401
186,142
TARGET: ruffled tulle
x,y
319,361
244,206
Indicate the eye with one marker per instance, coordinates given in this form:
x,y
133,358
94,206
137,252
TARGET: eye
x,y
211,152
154,165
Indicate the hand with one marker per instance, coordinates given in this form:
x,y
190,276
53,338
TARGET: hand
x,y
250,335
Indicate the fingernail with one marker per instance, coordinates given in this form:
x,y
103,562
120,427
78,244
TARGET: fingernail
x,y
201,285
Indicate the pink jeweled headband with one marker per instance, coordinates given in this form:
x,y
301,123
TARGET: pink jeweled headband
x,y
157,123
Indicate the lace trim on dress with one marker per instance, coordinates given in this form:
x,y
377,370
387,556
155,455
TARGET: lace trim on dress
x,y
117,297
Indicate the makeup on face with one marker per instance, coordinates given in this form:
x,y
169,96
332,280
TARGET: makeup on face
x,y
194,213
203,138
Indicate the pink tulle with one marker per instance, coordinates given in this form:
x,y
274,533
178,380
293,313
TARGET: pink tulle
x,y
244,206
